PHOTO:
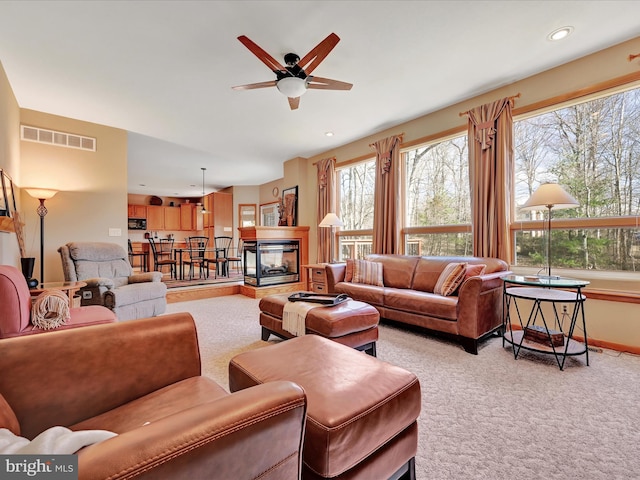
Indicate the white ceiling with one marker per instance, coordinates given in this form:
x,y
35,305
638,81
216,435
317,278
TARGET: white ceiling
x,y
163,71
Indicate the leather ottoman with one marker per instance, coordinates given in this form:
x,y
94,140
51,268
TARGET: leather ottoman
x,y
361,412
350,323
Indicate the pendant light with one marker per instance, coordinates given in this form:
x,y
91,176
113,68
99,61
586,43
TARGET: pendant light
x,y
203,209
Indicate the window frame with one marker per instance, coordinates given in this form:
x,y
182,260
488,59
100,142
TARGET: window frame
x,y
594,92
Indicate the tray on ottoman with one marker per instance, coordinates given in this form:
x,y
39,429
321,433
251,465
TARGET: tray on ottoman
x,y
323,299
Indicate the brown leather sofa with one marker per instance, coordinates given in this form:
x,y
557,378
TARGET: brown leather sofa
x,y
141,379
473,312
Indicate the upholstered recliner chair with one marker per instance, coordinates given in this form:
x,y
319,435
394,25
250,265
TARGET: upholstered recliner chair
x,y
110,280
15,308
142,380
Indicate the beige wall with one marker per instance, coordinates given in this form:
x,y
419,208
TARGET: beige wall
x,y
93,188
9,159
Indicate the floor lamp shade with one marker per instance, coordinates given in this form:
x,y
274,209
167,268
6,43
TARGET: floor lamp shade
x,y
41,194
549,196
331,220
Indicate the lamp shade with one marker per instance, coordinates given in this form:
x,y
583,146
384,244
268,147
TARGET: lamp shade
x,y
550,195
292,87
331,220
41,193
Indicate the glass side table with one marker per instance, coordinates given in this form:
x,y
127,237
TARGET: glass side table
x,y
538,290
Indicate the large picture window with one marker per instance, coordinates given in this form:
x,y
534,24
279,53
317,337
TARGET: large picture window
x,y
356,189
593,150
437,199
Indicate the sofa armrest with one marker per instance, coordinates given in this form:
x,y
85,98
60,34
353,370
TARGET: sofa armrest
x,y
480,304
83,368
335,274
243,435
99,282
145,277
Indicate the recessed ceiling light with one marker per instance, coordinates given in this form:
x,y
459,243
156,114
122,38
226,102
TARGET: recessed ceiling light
x,y
560,33
329,134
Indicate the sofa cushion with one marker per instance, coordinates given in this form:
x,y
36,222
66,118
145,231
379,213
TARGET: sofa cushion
x,y
369,273
397,270
370,294
421,303
450,279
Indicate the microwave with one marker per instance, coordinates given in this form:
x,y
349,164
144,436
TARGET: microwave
x,y
137,224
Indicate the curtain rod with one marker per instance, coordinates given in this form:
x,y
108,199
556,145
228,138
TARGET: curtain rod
x,y
517,95
398,135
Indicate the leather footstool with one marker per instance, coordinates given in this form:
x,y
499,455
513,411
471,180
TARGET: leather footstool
x,y
361,412
350,323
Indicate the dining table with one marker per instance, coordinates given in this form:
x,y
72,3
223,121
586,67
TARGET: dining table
x,y
222,268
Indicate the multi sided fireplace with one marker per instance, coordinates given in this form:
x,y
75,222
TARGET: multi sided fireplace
x,y
271,262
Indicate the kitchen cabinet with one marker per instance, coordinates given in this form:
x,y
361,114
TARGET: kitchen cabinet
x,y
163,218
171,218
187,216
155,218
137,211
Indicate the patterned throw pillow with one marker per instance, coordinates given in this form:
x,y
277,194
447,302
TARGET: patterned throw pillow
x,y
369,273
348,273
450,279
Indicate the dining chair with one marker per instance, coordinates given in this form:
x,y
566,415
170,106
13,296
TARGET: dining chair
x,y
143,256
237,257
162,250
196,248
222,246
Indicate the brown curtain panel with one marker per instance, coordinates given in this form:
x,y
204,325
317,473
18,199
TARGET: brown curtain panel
x,y
491,164
326,204
386,234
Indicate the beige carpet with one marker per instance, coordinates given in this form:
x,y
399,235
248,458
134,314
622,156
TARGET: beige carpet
x,y
486,416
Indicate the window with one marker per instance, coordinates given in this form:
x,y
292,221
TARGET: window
x,y
593,150
437,199
356,188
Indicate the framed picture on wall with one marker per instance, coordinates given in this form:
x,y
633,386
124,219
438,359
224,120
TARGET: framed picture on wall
x,y
269,214
290,205
7,198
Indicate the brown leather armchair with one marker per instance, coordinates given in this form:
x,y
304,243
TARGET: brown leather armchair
x,y
141,379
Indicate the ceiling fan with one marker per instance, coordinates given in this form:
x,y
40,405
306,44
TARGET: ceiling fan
x,y
294,79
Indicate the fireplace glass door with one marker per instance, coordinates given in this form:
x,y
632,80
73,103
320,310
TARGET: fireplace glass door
x,y
271,262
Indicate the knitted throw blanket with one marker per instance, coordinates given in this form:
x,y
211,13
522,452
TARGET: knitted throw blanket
x,y
294,315
50,310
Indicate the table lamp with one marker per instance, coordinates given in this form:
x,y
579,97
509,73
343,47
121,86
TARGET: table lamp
x,y
550,196
331,220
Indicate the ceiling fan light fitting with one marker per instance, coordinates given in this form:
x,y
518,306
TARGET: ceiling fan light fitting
x,y
292,87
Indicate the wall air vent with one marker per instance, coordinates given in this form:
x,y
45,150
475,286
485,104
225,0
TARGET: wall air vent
x,y
60,139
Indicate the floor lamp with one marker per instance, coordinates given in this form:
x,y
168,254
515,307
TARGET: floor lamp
x,y
41,194
550,196
331,220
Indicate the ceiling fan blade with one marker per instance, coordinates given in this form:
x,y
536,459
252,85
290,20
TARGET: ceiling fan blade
x,y
318,53
263,56
327,84
251,86
294,103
